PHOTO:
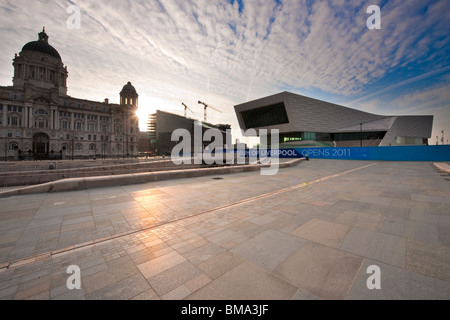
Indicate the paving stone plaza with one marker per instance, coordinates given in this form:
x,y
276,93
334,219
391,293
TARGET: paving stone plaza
x,y
309,232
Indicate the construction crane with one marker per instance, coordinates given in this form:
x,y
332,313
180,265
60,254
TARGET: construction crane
x,y
185,109
206,107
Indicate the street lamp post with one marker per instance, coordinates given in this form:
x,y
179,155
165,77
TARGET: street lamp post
x,y
360,134
6,148
123,134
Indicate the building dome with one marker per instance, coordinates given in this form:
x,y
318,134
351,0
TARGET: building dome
x,y
128,95
42,46
128,88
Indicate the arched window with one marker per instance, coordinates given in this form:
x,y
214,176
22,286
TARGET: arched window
x,y
79,147
13,146
92,147
119,147
64,147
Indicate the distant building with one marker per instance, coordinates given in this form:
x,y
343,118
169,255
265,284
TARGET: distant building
x,y
162,124
38,120
304,121
145,145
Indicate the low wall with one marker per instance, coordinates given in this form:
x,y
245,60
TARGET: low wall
x,y
25,178
136,178
66,164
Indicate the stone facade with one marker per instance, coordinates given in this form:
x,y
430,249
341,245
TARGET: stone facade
x,y
38,120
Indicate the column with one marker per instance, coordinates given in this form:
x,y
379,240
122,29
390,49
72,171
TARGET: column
x,y
57,119
111,125
22,115
25,117
30,118
5,120
52,118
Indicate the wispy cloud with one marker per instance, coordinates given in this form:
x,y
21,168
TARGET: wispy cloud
x,y
404,83
228,52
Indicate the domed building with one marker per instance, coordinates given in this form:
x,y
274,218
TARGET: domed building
x,y
38,120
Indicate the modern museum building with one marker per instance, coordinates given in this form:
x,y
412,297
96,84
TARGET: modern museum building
x,y
308,122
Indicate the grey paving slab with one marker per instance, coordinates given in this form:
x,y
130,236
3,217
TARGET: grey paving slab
x,y
220,264
324,232
225,236
428,259
353,205
430,198
375,245
246,282
147,295
198,282
269,248
397,212
174,277
71,295
398,284
246,228
361,219
396,192
380,201
325,272
203,253
121,290
412,229
304,295
102,279
322,212
177,294
264,219
160,264
8,293
31,288
444,235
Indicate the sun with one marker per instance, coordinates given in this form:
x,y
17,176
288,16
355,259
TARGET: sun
x,y
147,106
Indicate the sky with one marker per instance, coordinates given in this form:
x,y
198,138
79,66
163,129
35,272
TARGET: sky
x,y
227,52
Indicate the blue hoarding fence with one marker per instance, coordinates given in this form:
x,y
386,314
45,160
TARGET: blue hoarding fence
x,y
281,153
397,153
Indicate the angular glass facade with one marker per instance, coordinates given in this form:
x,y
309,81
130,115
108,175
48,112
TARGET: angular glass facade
x,y
410,141
312,122
266,116
347,136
